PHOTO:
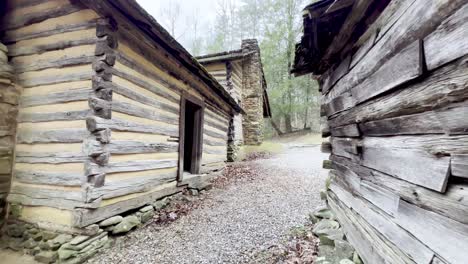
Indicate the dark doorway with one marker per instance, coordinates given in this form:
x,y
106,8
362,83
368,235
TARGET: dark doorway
x,y
191,136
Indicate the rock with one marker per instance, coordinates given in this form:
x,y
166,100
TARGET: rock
x,y
111,221
323,195
193,192
346,261
78,240
15,230
61,239
66,253
313,218
48,235
343,249
80,247
29,244
126,225
15,244
46,257
35,251
172,216
324,240
161,204
15,210
322,260
146,209
325,226
37,237
356,258
145,217
33,231
92,230
324,213
335,234
44,245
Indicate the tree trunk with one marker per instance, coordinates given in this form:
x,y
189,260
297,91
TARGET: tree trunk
x,y
287,123
275,126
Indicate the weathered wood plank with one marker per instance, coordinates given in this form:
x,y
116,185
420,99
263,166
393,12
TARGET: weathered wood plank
x,y
459,165
452,203
390,231
14,50
81,94
401,68
435,230
135,110
352,130
52,136
346,147
336,74
210,142
444,86
27,81
363,49
64,61
131,186
448,42
144,99
215,134
339,104
50,157
135,147
49,178
129,166
59,116
97,123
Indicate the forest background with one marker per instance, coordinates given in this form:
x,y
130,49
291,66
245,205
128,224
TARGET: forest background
x,y
211,26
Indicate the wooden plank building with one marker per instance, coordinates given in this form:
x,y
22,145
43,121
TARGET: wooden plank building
x,y
241,74
112,112
394,81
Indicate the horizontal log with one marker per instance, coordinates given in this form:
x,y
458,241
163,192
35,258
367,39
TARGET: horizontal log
x,y
13,21
138,111
63,61
336,74
144,99
50,157
49,178
444,86
351,130
14,50
131,186
215,151
215,134
412,249
210,142
52,136
129,166
452,203
57,116
459,165
448,42
326,147
215,114
136,147
448,120
216,125
53,79
97,123
74,95
346,147
339,104
101,108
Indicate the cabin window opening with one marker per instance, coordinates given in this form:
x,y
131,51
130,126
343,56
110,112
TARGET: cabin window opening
x,y
192,138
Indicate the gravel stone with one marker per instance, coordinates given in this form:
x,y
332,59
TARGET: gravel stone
x,y
236,221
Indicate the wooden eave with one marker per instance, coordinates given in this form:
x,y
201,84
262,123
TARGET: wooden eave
x,y
331,30
156,33
221,57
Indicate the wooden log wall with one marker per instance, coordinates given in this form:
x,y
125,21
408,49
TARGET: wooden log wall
x,y
397,111
51,46
138,162
9,97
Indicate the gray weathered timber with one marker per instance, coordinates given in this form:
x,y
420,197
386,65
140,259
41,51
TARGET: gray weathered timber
x,y
14,50
58,116
49,157
340,103
101,108
449,41
210,142
137,185
144,99
420,19
129,166
380,197
444,86
64,61
326,147
84,217
450,120
384,224
215,134
138,111
346,147
354,233
215,151
74,95
408,162
434,230
451,203
49,178
13,36
459,165
12,21
336,74
97,123
352,130
52,136
363,49
403,67
135,147
53,79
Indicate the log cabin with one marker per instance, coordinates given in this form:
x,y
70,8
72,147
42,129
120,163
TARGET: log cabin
x,y
241,74
102,112
394,81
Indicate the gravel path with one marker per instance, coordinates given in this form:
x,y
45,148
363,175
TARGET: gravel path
x,y
234,222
